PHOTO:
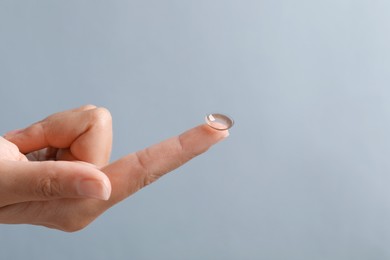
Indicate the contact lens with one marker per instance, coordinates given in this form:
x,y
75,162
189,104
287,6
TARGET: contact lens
x,y
219,121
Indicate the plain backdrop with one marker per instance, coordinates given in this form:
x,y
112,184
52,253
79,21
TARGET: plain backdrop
x,y
305,173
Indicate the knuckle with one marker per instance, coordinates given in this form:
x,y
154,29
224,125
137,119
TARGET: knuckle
x,y
101,116
147,177
185,152
48,187
87,107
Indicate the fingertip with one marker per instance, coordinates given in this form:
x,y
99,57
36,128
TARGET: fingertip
x,y
199,139
94,189
225,134
217,135
95,186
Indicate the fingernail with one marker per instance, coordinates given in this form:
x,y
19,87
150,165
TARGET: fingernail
x,y
222,135
94,189
226,134
13,132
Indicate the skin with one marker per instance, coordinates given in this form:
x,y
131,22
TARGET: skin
x,y
56,172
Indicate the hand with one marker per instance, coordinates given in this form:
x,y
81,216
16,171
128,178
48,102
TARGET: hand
x,y
77,184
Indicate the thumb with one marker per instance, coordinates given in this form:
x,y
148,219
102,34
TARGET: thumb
x,y
36,181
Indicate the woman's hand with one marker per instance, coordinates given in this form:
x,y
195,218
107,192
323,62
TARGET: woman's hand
x,y
72,183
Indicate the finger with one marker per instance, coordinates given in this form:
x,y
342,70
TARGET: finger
x,y
37,181
134,171
127,175
83,134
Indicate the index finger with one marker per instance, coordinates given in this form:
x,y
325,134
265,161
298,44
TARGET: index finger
x,y
127,175
136,170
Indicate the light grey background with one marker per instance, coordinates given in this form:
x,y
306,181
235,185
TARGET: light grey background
x,y
305,173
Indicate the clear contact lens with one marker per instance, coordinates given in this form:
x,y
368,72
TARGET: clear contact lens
x,y
219,121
